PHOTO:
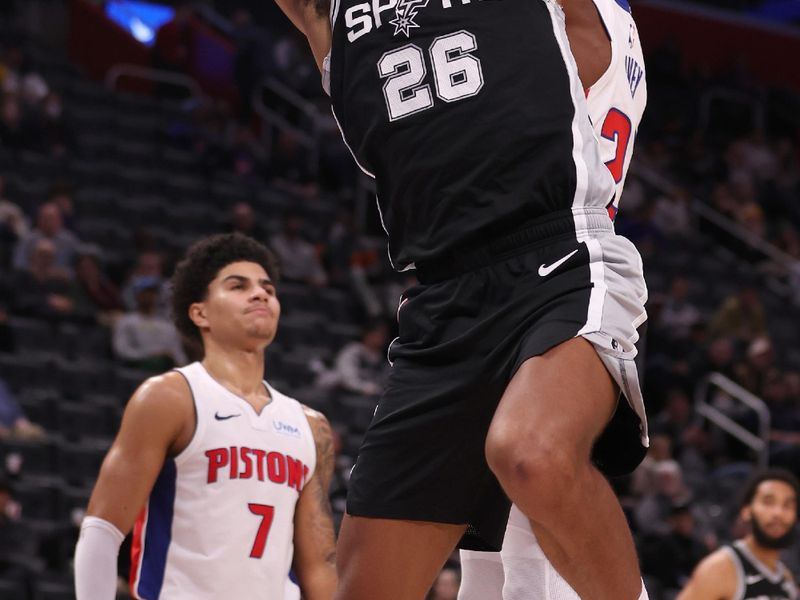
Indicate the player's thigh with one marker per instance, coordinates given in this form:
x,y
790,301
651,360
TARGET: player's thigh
x,y
563,398
388,559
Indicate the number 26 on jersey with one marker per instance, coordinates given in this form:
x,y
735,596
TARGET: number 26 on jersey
x,y
457,74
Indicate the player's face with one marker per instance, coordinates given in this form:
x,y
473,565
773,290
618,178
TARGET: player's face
x,y
773,514
242,306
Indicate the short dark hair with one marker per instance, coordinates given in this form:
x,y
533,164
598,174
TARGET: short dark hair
x,y
773,474
202,263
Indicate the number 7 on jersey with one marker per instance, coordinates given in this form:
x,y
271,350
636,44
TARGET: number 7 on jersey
x,y
266,513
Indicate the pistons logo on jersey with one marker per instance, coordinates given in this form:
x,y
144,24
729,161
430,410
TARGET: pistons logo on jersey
x,y
246,463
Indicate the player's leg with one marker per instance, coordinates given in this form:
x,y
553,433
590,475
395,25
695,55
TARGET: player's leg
x,y
539,447
387,559
527,573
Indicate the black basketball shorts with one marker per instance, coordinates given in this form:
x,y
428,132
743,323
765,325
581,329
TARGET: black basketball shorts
x,y
463,333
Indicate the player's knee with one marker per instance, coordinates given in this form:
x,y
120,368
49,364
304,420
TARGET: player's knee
x,y
520,464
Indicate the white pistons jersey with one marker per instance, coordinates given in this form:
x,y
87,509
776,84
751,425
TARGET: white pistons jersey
x,y
617,100
219,522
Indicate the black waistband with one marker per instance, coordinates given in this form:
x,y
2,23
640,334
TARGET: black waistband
x,y
562,224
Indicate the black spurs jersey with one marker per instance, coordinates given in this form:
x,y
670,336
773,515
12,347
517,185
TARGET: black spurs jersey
x,y
756,581
469,114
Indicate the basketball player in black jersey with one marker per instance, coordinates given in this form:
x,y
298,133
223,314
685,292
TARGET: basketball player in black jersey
x,y
513,350
750,568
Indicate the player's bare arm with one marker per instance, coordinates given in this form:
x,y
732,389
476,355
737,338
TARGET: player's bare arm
x,y
713,579
312,18
314,537
158,421
588,40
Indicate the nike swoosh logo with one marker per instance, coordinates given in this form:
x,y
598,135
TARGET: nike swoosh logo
x,y
218,417
751,579
544,270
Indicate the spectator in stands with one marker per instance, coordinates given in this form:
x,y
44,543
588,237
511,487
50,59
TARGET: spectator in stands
x,y
789,239
644,477
61,195
13,422
49,226
96,293
17,544
13,226
342,242
13,134
652,513
676,418
677,314
43,289
248,156
33,89
296,66
298,258
54,132
758,365
690,443
751,216
144,339
719,356
149,266
723,200
6,302
244,221
360,366
446,585
740,316
787,176
671,214
781,392
670,557
365,266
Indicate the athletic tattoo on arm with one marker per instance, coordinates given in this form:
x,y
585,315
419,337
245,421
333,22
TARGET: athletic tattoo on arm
x,y
322,523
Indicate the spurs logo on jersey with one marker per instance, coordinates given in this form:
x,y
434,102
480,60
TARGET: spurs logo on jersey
x,y
361,19
616,102
406,11
220,519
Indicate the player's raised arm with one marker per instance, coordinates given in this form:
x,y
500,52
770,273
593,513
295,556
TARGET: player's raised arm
x,y
152,427
588,39
312,18
713,579
315,546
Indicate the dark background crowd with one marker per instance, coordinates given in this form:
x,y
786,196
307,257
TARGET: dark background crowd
x,y
102,189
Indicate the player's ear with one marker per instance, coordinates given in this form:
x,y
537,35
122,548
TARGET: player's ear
x,y
746,514
197,313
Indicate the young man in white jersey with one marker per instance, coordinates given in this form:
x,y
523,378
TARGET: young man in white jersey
x,y
616,101
750,568
224,477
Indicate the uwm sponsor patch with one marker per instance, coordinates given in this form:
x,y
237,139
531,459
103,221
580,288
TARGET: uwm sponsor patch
x,y
236,462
